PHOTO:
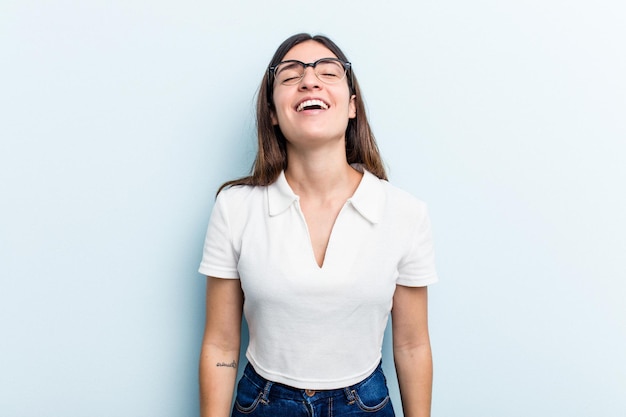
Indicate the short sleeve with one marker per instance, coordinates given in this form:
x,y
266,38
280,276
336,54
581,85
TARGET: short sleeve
x,y
417,267
219,258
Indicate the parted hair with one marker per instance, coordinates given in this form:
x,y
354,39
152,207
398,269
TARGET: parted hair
x,y
271,157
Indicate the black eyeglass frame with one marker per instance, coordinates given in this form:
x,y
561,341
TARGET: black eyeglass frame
x,y
347,66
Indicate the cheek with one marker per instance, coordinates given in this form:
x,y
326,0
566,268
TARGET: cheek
x,y
279,103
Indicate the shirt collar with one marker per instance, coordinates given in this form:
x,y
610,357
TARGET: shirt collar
x,y
368,199
280,195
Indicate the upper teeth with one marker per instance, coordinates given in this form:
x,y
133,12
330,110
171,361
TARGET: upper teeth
x,y
309,103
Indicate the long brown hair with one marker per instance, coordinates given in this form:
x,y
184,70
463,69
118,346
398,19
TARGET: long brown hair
x,y
271,157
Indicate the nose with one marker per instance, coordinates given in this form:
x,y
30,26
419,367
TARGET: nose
x,y
309,79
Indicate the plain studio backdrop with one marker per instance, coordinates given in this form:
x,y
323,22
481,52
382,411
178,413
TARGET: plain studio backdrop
x,y
119,120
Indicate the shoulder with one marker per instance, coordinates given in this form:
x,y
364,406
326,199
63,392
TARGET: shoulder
x,y
239,201
400,201
404,212
381,187
377,199
238,194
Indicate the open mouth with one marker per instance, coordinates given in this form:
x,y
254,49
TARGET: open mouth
x,y
312,105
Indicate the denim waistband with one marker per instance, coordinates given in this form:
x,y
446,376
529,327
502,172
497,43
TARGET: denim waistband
x,y
278,390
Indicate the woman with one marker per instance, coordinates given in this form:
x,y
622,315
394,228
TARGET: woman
x,y
316,248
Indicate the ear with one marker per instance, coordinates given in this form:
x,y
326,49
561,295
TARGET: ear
x,y
273,117
352,107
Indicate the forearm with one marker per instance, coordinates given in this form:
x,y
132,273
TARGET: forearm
x,y
218,372
414,367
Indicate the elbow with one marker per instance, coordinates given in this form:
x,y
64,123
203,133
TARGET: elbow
x,y
413,348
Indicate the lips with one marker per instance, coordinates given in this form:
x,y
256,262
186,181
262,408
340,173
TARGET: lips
x,y
312,104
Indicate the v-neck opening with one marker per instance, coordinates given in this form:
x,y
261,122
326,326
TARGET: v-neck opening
x,y
281,196
330,236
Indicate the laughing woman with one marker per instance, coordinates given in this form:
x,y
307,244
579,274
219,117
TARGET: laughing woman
x,y
316,249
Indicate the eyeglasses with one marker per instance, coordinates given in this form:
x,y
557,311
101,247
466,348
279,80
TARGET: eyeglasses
x,y
327,70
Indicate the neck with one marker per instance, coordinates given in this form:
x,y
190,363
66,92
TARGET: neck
x,y
321,174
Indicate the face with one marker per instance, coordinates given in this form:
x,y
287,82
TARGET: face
x,y
312,110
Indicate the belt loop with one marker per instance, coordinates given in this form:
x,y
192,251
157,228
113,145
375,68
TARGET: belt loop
x,y
349,395
266,392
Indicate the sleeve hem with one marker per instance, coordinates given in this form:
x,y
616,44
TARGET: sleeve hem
x,y
219,273
422,282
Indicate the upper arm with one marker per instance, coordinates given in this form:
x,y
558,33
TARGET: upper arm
x,y
410,317
224,306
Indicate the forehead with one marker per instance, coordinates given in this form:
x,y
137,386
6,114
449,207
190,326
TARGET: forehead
x,y
309,51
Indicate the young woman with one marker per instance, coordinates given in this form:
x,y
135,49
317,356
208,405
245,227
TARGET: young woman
x,y
316,248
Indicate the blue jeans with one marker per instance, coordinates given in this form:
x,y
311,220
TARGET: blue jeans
x,y
258,397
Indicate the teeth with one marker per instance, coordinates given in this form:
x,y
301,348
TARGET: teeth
x,y
310,103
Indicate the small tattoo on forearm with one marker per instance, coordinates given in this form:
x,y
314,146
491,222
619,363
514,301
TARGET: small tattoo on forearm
x,y
233,364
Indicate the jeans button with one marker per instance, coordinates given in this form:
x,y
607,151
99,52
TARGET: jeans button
x,y
309,392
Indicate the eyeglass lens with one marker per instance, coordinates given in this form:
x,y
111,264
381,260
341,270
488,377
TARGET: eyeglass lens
x,y
328,71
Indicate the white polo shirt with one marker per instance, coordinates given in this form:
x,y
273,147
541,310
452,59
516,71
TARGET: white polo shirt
x,y
317,327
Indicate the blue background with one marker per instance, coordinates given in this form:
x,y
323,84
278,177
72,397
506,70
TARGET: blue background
x,y
119,120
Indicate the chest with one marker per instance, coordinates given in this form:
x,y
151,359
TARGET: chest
x,y
277,259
